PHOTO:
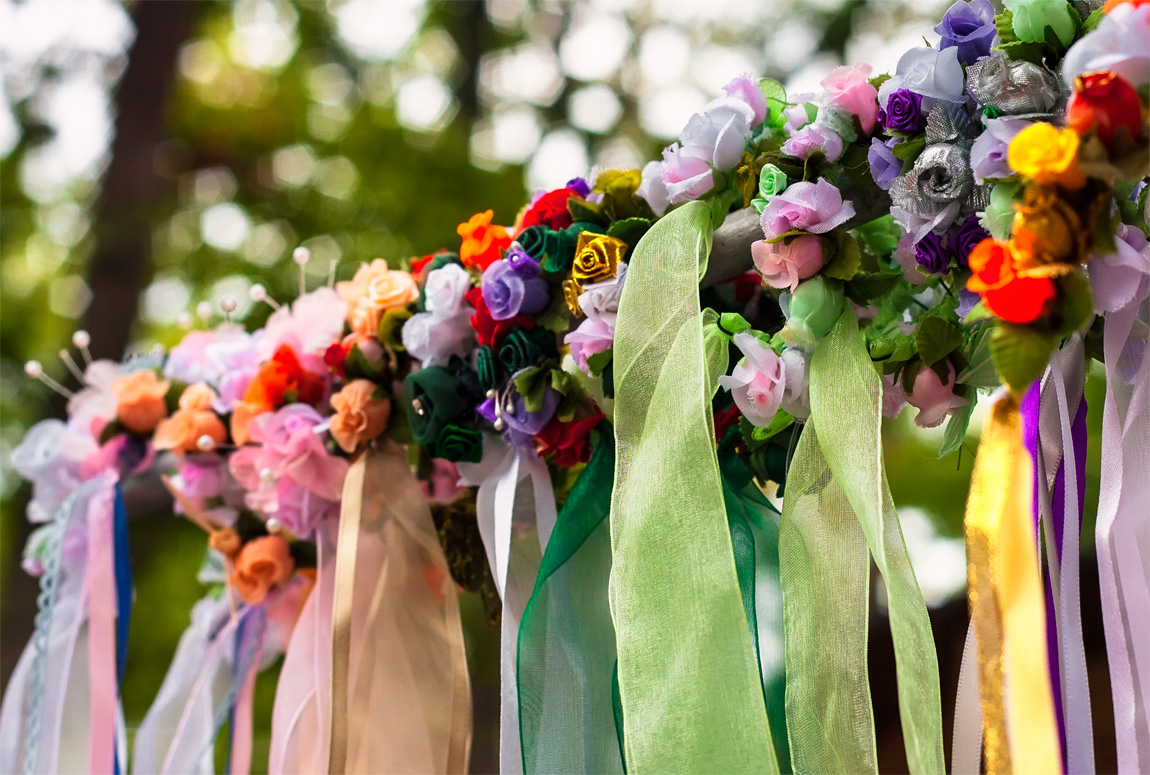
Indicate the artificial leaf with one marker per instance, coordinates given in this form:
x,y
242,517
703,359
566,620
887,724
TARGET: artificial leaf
x,y
955,432
1077,303
630,230
556,317
847,260
776,96
1020,354
865,287
892,350
908,150
597,362
358,367
532,385
582,210
1093,20
936,339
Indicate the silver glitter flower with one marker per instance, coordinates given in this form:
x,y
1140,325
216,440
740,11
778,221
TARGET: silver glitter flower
x,y
1013,87
940,176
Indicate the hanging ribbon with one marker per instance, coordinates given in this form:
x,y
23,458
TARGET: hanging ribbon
x,y
1006,602
515,508
689,684
966,745
566,650
1122,533
846,422
400,693
102,656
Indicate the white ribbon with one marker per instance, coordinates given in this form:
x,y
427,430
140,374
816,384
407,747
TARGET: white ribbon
x,y
966,743
515,526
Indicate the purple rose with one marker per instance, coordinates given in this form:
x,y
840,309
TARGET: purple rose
x,y
579,186
884,165
519,425
965,237
813,139
988,154
521,263
903,112
813,207
932,254
508,293
970,27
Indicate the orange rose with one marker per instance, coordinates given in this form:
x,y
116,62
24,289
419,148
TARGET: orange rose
x,y
184,429
197,396
261,564
483,243
358,417
140,400
375,289
1010,297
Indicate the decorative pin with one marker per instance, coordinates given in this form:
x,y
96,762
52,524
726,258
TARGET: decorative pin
x,y
301,256
331,273
417,405
273,525
72,365
81,339
228,304
258,293
36,371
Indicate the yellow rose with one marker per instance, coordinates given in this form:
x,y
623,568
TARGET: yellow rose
x,y
571,291
1046,229
596,258
1047,155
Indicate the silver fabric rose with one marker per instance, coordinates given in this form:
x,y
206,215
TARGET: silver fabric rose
x,y
1013,87
940,177
949,124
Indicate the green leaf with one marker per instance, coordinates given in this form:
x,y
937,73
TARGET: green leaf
x,y
1020,354
1092,21
896,349
582,210
978,312
865,287
776,96
357,367
532,385
597,362
1004,26
847,260
556,317
630,230
955,432
979,372
1077,303
936,339
721,204
880,237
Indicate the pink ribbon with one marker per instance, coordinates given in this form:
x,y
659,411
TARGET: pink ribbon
x,y
101,595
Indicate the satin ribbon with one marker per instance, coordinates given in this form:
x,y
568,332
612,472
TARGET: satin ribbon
x,y
102,661
515,507
1121,532
1006,602
689,685
966,743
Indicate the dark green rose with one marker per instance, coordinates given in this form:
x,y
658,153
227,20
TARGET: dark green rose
x,y
522,348
434,399
458,445
552,249
487,364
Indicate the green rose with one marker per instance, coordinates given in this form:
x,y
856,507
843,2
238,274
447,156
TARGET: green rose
x,y
457,445
552,249
811,312
487,365
434,398
772,180
999,215
1032,17
522,347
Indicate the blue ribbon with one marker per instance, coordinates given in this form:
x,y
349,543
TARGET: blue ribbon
x,y
123,562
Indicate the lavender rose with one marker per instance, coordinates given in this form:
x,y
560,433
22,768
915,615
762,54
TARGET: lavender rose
x,y
969,27
509,293
988,154
884,165
931,254
903,112
813,207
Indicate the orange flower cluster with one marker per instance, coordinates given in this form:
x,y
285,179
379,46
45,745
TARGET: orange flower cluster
x,y
194,420
999,276
260,565
282,380
140,400
483,242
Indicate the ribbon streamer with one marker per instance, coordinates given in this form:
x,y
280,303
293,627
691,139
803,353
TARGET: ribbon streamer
x,y
1006,602
689,683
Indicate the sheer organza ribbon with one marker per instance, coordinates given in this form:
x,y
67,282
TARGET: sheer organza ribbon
x,y
566,653
515,508
689,683
1122,533
1006,601
837,506
400,693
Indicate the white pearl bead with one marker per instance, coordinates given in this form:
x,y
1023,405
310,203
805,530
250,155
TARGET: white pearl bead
x,y
301,255
204,310
257,292
81,339
267,476
184,320
274,526
205,443
228,304
33,369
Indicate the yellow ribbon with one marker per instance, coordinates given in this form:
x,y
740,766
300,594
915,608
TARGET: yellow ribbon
x,y
1006,602
351,511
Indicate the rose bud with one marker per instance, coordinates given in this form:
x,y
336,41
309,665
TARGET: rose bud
x,y
1104,101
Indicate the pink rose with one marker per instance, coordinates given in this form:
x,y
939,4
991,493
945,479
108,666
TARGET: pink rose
x,y
893,399
813,207
653,188
745,89
783,264
932,398
813,139
757,382
687,172
848,89
594,335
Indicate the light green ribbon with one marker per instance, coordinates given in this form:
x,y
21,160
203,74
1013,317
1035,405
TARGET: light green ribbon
x,y
689,682
837,507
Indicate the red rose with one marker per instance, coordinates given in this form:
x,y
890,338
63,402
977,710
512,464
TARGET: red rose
x,y
724,419
1104,101
550,210
568,441
334,357
488,330
1010,297
417,265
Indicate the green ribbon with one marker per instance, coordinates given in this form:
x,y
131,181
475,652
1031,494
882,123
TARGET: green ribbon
x,y
838,506
566,642
689,681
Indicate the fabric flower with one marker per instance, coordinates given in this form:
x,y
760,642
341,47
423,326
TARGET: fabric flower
x,y
933,399
1012,298
796,397
884,165
903,112
550,210
192,421
936,75
522,348
432,338
1047,229
797,115
445,288
50,456
508,293
757,381
140,400
893,398
488,330
94,406
359,416
282,380
721,131
373,290
811,312
522,425
552,250
567,443
968,25
596,258
482,241
813,139
260,565
965,238
434,398
932,254
593,335
457,445
988,154
783,264
999,214
1104,102
744,88
1117,44
602,297
934,189
653,189
687,173
1031,18
849,89
813,207
1121,278
772,180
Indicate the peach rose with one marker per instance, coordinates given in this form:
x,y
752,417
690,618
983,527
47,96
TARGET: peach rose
x,y
184,429
375,289
358,417
140,400
261,564
243,412
197,396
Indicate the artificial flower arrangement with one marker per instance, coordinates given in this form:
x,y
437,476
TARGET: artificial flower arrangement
x,y
976,219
